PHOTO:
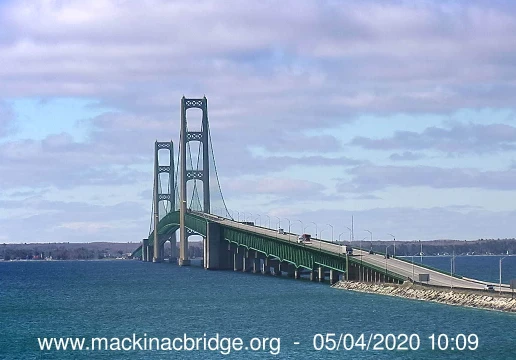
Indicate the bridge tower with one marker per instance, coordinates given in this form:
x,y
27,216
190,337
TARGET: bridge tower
x,y
158,196
203,175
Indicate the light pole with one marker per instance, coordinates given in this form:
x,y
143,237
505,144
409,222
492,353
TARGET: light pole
x,y
245,216
421,251
302,229
394,237
268,218
370,233
330,225
340,236
288,228
361,278
501,275
386,247
320,240
452,266
413,280
279,222
315,228
288,224
350,234
258,217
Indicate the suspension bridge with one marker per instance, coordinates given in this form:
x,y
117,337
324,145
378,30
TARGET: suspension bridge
x,y
187,197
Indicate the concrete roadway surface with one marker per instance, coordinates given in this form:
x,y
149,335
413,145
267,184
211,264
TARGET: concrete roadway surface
x,y
403,268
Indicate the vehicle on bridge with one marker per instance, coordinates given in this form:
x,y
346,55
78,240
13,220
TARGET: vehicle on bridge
x,y
489,287
305,238
349,250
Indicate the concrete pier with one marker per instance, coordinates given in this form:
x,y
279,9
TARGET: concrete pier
x,y
256,265
266,270
145,245
297,274
237,261
313,275
320,274
334,276
291,269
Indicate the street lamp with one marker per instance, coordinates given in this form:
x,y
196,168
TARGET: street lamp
x,y
350,234
394,237
340,236
501,275
258,217
302,229
269,218
279,221
320,240
306,227
413,275
361,259
386,247
452,266
330,225
245,216
288,228
288,224
370,233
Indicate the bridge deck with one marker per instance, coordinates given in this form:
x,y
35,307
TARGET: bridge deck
x,y
403,268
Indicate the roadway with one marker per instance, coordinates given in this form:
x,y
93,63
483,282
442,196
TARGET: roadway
x,y
400,267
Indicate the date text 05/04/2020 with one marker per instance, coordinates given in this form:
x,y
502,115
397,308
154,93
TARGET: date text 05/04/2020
x,y
395,342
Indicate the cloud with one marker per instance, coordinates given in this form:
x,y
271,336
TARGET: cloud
x,y
275,78
59,221
410,223
406,156
59,161
373,177
461,138
6,119
322,60
279,186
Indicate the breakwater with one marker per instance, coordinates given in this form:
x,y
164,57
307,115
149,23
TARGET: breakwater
x,y
460,297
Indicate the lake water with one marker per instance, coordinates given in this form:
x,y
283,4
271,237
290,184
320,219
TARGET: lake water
x,y
121,298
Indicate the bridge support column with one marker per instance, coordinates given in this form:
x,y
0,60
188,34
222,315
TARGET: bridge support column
x,y
256,265
275,264
266,269
297,273
320,274
215,252
334,276
173,249
246,261
150,251
312,275
237,261
145,245
291,270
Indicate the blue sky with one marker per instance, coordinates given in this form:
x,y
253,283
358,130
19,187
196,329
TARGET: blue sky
x,y
398,113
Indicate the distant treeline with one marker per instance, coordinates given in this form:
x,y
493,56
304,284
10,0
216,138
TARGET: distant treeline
x,y
448,247
74,251
93,251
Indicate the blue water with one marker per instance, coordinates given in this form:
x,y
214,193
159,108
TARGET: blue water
x,y
485,268
119,298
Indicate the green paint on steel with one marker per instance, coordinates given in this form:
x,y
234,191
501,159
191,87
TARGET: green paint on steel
x,y
299,255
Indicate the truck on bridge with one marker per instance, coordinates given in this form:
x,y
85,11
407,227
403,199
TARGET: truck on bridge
x,y
349,250
305,238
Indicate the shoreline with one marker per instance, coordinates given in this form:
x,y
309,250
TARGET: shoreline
x,y
455,297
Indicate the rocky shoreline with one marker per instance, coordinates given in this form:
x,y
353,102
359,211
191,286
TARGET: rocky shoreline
x,y
458,297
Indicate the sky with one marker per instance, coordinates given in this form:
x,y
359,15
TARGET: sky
x,y
398,113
